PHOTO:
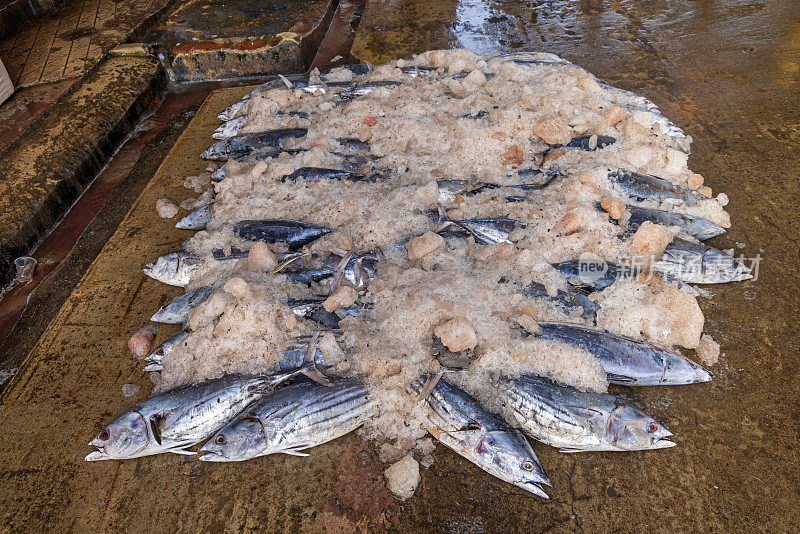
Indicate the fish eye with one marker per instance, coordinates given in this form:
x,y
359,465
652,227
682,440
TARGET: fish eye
x,y
160,351
220,440
652,427
527,465
104,435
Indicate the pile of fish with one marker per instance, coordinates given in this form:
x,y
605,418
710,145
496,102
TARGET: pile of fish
x,y
240,417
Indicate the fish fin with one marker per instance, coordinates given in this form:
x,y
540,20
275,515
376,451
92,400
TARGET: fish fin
x,y
182,451
568,450
619,379
155,427
297,450
309,367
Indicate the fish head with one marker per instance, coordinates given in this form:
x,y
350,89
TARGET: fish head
x,y
164,268
126,437
680,370
241,440
509,457
629,428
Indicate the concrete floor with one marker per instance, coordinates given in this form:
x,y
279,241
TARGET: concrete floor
x,y
726,71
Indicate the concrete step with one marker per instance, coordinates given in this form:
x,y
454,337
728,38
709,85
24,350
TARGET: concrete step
x,y
48,166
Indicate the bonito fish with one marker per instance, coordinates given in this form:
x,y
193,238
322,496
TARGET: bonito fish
x,y
459,422
291,420
696,263
645,186
156,358
269,142
696,227
176,268
578,421
198,219
182,417
628,361
177,311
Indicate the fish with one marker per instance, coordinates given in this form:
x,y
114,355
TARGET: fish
x,y
219,174
351,143
485,231
696,263
182,417
295,234
582,142
367,88
457,421
416,71
318,173
177,311
311,308
239,108
577,421
645,186
358,272
230,128
291,420
696,227
448,189
594,275
569,299
197,219
269,142
296,352
462,75
627,361
176,268
156,358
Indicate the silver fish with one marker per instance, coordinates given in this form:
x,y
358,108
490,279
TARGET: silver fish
x,y
197,219
155,359
696,263
291,420
696,227
294,233
176,268
577,421
460,423
182,417
312,309
177,311
628,361
241,146
230,127
485,231
219,174
645,186
567,299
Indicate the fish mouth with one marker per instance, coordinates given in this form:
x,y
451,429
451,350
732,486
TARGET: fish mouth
x,y
663,443
98,454
534,487
703,375
210,456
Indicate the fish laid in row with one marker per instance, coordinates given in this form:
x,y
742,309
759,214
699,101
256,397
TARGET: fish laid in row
x,y
578,421
291,420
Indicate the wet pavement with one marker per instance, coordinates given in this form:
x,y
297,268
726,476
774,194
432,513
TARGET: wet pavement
x,y
726,71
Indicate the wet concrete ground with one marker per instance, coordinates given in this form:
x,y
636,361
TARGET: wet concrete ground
x,y
725,71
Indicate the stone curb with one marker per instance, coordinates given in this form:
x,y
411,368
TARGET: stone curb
x,y
50,164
